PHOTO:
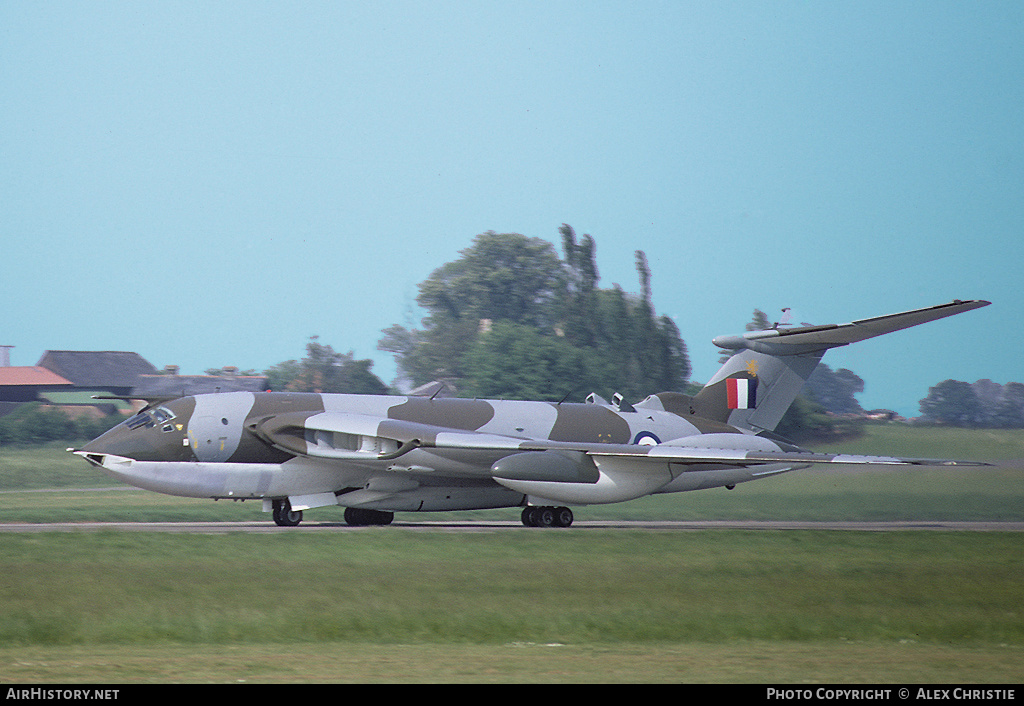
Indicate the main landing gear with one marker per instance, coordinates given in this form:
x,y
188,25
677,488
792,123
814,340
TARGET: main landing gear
x,y
542,516
359,517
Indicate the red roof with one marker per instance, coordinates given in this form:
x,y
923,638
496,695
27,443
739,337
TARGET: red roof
x,y
30,375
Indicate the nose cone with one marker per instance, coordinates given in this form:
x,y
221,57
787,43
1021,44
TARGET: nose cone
x,y
121,441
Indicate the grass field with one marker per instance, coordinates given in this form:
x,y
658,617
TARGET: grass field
x,y
523,606
529,606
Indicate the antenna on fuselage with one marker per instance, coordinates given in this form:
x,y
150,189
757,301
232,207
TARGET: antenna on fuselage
x,y
566,396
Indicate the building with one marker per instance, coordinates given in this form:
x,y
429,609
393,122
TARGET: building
x,y
72,380
22,384
170,384
110,372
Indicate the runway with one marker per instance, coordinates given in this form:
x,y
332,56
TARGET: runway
x,y
511,526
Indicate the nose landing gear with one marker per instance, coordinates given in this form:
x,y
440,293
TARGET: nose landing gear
x,y
284,516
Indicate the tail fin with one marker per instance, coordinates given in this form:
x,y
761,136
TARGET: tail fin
x,y
759,382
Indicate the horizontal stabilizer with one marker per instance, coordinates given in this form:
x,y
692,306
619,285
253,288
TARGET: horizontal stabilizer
x,y
756,386
808,339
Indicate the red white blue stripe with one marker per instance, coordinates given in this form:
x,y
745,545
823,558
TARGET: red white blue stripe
x,y
742,392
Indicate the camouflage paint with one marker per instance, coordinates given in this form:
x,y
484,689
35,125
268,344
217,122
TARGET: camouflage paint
x,y
413,453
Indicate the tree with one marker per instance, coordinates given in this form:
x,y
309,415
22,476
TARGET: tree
x,y
512,361
500,277
35,423
835,390
951,402
506,277
579,314
990,397
759,322
1009,414
982,404
511,279
325,370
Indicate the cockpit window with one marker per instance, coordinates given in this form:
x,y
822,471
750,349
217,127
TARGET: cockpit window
x,y
162,414
149,419
142,419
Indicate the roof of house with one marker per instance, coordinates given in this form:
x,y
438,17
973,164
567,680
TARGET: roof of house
x,y
174,385
31,376
98,369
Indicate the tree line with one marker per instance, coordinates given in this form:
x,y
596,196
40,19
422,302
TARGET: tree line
x,y
984,404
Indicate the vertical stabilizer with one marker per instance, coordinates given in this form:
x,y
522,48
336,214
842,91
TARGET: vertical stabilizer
x,y
759,382
771,384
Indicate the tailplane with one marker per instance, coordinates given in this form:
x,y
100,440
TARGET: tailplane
x,y
759,382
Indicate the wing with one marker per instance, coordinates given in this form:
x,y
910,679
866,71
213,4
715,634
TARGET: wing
x,y
745,449
353,436
563,472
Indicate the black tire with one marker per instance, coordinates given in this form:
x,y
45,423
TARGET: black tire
x,y
358,517
545,517
563,517
288,517
284,516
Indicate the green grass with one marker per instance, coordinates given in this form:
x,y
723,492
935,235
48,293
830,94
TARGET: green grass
x,y
562,604
50,466
935,442
591,606
494,588
741,662
744,662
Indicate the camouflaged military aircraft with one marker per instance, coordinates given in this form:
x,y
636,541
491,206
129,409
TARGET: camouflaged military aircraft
x,y
377,455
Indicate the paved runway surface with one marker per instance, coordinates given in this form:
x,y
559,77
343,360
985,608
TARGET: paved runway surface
x,y
506,526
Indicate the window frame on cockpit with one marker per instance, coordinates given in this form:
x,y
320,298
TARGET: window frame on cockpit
x,y
150,418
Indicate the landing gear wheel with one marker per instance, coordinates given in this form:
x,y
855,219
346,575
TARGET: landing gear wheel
x,y
531,516
358,517
563,517
284,516
541,516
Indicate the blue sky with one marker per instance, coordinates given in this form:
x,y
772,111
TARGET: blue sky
x,y
210,184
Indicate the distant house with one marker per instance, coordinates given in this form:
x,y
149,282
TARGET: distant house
x,y
101,373
71,379
21,384
113,372
171,384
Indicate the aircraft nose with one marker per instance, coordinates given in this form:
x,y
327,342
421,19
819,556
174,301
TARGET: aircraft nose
x,y
156,434
118,441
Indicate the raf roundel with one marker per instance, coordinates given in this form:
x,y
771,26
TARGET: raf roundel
x,y
646,438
